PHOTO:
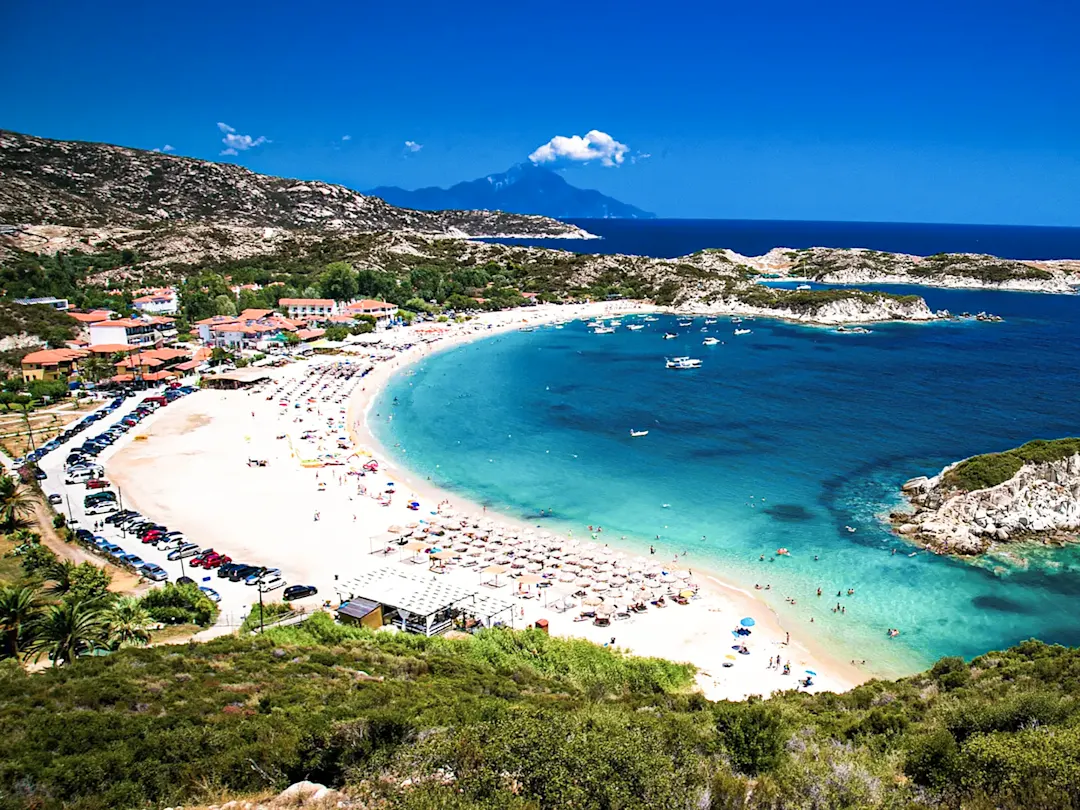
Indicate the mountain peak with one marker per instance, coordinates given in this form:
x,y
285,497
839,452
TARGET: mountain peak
x,y
524,188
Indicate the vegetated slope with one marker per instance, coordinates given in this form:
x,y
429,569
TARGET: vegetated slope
x,y
990,469
76,183
522,720
524,189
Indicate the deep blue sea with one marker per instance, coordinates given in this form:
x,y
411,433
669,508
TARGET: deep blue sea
x,y
667,238
782,439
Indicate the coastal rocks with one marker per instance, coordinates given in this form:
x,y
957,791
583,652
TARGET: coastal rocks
x,y
1039,503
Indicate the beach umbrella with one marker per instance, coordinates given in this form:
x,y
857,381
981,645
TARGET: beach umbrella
x,y
747,622
395,529
604,610
583,583
535,566
600,586
592,601
416,545
530,579
600,576
566,576
811,672
667,578
444,555
686,594
495,569
684,574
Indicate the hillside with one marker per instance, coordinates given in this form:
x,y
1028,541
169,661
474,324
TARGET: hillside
x,y
521,720
522,189
45,181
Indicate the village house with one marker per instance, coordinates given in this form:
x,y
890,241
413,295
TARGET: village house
x,y
161,301
51,364
308,308
138,332
382,311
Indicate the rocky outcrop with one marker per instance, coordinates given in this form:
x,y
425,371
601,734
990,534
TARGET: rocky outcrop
x,y
1040,503
72,183
857,309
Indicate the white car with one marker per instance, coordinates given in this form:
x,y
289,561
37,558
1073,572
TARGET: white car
x,y
102,508
271,584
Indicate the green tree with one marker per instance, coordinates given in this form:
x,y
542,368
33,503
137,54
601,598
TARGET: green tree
x,y
69,629
225,305
338,282
82,581
95,368
197,305
16,504
19,609
336,332
753,735
128,623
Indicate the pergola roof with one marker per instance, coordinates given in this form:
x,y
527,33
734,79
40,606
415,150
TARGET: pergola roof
x,y
419,595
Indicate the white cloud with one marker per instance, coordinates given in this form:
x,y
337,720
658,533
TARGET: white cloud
x,y
595,145
165,148
235,144
413,146
346,137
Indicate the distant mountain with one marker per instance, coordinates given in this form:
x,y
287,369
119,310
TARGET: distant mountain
x,y
523,189
44,181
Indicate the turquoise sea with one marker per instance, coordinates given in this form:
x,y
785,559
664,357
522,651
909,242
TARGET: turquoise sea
x,y
782,439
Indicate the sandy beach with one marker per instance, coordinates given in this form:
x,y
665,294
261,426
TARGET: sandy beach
x,y
320,524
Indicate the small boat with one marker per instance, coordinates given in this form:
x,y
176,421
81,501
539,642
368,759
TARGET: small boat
x,y
594,324
704,329
615,322
851,529
650,318
686,323
710,320
636,433
803,287
742,331
669,336
527,329
709,341
736,319
680,363
634,327
603,330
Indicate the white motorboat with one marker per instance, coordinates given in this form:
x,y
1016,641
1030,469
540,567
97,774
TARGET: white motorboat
x,y
615,322
742,331
736,319
634,327
636,433
803,287
669,336
686,323
710,320
603,330
681,363
709,341
594,324
650,318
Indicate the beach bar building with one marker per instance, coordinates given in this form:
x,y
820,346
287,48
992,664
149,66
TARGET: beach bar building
x,y
419,604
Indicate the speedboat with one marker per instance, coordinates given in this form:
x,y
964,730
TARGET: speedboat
x,y
594,324
709,341
742,331
669,336
636,433
736,319
686,323
681,363
634,327
710,320
615,322
650,318
603,330
803,287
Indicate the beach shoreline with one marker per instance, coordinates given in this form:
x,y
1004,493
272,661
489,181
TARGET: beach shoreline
x,y
841,676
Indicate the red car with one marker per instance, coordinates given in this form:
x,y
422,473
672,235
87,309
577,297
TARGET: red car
x,y
97,483
153,536
210,559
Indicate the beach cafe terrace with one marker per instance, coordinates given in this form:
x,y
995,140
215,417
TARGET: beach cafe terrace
x,y
418,604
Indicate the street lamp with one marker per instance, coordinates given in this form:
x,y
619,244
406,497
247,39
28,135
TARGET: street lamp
x,y
262,573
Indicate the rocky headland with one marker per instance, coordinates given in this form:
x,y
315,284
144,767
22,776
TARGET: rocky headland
x,y
1029,494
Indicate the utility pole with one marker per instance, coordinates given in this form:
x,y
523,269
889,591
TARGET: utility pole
x,y
262,573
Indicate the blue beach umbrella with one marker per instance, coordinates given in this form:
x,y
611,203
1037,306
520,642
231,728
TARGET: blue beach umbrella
x,y
747,622
811,672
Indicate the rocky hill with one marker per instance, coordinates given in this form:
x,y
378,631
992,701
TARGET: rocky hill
x,y
525,189
1029,494
74,183
861,266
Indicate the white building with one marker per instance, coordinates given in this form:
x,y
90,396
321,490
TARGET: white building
x,y
157,302
304,308
133,331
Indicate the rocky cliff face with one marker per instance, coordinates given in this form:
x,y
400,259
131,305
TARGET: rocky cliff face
x,y
1040,503
72,183
871,309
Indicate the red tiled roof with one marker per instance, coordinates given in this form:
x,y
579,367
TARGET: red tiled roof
x,y
154,376
190,365
254,314
48,357
90,317
119,378
308,334
371,304
112,348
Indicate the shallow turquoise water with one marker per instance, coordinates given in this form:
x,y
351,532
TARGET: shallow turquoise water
x,y
784,437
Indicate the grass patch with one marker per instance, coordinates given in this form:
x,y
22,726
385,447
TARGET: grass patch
x,y
991,469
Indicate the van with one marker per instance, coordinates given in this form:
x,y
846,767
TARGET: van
x,y
79,475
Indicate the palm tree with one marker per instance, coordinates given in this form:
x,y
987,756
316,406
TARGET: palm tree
x,y
70,629
19,609
62,574
128,623
16,504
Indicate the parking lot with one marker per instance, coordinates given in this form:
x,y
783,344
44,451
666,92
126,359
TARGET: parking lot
x,y
76,501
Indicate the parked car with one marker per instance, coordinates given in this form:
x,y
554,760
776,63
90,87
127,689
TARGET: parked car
x,y
243,572
110,548
185,581
271,583
203,555
227,569
119,517
97,483
211,593
84,536
55,499
298,592
182,553
133,560
254,577
154,572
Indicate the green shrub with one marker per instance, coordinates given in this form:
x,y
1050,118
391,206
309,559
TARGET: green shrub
x,y
179,604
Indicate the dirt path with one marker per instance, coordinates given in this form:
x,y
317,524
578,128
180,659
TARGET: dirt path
x,y
123,581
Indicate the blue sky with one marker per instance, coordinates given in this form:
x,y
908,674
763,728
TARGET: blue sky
x,y
917,111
